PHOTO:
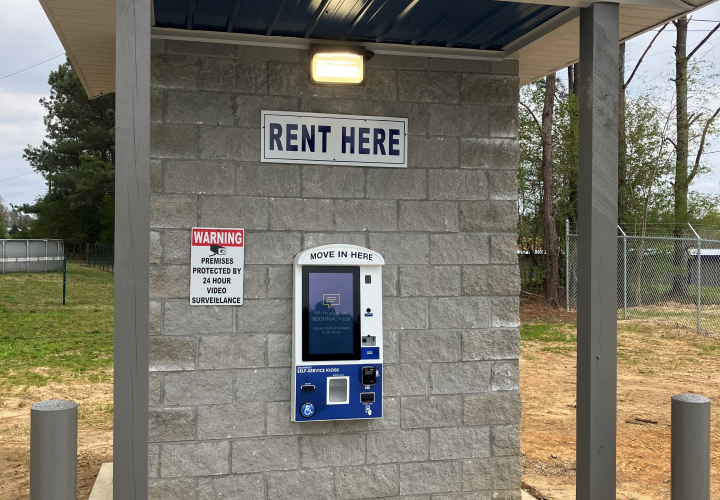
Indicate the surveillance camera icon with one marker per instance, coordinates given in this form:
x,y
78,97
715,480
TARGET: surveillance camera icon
x,y
218,250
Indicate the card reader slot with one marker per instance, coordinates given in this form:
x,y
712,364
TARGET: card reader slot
x,y
367,397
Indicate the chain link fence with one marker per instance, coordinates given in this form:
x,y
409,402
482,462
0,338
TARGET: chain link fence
x,y
661,279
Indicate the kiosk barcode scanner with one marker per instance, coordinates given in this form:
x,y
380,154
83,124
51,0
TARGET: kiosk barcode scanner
x,y
337,334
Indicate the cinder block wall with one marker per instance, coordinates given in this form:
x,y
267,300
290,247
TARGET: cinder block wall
x,y
220,378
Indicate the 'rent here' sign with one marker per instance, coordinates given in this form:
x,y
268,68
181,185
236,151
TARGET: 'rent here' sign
x,y
217,261
368,141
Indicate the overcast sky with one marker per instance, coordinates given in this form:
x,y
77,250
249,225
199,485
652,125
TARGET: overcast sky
x,y
27,38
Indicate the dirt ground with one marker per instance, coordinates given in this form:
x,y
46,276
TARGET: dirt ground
x,y
94,433
654,363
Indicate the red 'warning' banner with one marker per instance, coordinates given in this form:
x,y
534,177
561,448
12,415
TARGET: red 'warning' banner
x,y
225,237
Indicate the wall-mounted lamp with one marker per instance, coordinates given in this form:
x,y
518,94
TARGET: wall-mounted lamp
x,y
337,64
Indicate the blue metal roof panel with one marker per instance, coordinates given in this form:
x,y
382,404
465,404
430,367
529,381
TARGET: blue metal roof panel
x,y
475,24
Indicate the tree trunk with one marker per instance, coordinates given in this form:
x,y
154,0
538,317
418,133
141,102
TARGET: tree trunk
x,y
622,141
681,184
550,240
571,79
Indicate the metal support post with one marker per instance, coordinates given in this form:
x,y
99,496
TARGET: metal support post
x,y
699,279
64,277
624,272
690,449
567,265
4,257
46,256
53,450
597,252
27,255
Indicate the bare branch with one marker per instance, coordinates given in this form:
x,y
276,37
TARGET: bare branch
x,y
703,41
695,117
643,55
533,115
696,167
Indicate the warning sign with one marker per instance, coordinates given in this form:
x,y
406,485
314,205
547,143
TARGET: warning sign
x,y
217,259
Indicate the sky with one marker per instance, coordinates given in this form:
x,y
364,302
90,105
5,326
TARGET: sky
x,y
27,38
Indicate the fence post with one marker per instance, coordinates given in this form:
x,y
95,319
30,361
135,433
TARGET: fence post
x,y
46,255
64,277
690,447
4,256
87,254
53,450
27,255
567,265
624,272
699,282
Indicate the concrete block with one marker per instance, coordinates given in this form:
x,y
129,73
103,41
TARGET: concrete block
x,y
279,349
155,247
195,459
265,454
332,106
514,494
182,319
153,461
270,53
396,184
355,215
173,141
428,86
506,312
261,316
464,248
490,280
169,354
169,282
157,45
503,185
332,450
255,282
504,121
488,216
405,380
503,248
267,179
311,240
457,185
226,143
171,424
429,281
173,211
492,408
155,389
506,67
280,282
301,213
397,62
433,152
380,84
221,352
155,317
489,153
176,247
429,216
459,312
492,473
156,176
453,443
460,65
157,101
171,489
397,446
430,477
459,378
390,281
234,211
506,440
372,481
465,120
248,107
232,75
201,48
390,419
401,248
271,248
417,114
229,421
421,412
197,388
169,71
249,487
199,177
390,347
317,484
294,80
429,347
405,313
319,181
269,384
278,419
490,89
209,108
475,495
506,376
491,344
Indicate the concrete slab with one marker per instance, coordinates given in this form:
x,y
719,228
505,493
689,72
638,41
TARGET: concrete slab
x,y
103,487
525,495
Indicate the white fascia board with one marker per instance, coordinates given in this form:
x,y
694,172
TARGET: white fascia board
x,y
304,44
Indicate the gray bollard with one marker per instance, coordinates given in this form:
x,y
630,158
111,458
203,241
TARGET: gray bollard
x,y
690,460
53,450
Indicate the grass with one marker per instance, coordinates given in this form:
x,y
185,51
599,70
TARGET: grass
x,y
41,340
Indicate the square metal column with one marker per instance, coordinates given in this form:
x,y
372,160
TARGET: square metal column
x,y
597,252
132,245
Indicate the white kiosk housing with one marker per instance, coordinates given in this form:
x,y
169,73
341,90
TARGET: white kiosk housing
x,y
337,334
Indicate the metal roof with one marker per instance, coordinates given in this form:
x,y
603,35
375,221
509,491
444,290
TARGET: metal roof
x,y
472,24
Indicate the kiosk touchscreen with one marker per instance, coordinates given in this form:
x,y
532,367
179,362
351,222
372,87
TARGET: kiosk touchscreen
x,y
337,334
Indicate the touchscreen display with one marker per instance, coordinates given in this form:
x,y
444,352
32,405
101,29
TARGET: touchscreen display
x,y
331,315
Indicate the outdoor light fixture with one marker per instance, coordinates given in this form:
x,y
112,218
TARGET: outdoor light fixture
x,y
337,64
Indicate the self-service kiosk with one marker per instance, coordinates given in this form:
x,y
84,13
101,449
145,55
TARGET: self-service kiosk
x,y
337,334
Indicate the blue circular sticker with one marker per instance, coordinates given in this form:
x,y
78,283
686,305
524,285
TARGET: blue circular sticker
x,y
307,410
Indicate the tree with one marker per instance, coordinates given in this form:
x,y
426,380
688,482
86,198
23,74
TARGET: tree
x,y
77,160
4,218
550,240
